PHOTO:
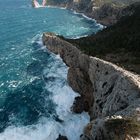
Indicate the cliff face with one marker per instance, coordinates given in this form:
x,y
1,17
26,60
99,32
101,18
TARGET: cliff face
x,y
105,88
106,12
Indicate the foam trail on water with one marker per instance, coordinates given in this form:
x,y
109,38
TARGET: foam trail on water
x,y
71,125
50,6
88,18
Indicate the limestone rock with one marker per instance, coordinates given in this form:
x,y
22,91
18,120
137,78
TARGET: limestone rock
x,y
115,91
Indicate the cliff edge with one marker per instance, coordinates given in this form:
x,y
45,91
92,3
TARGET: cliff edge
x,y
106,90
119,43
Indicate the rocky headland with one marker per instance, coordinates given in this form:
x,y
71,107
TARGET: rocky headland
x,y
106,89
106,12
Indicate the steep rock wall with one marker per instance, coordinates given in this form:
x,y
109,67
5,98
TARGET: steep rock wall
x,y
106,89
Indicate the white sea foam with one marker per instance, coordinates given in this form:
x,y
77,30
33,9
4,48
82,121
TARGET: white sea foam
x,y
50,6
76,13
88,18
63,96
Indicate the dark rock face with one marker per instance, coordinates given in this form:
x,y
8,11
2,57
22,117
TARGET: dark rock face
x,y
62,138
106,14
109,14
80,82
78,105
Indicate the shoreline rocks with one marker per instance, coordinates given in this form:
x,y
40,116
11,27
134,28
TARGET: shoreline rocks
x,y
106,89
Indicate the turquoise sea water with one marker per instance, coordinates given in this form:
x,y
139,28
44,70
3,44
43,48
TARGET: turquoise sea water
x,y
35,98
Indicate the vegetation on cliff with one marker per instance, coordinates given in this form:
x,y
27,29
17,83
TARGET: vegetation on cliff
x,y
119,43
127,128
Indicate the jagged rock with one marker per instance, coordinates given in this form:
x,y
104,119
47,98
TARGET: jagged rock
x,y
62,137
78,105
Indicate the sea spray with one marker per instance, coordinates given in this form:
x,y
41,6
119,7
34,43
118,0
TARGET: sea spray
x,y
35,98
63,121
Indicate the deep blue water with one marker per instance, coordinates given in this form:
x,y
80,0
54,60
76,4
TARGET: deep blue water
x,y
30,76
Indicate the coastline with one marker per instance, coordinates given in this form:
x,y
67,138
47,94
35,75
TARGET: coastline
x,y
96,13
57,88
79,13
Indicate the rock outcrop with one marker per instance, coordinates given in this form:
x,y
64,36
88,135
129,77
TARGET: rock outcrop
x,y
106,89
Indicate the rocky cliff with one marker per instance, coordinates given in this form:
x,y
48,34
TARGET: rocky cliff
x,y
119,43
106,89
106,12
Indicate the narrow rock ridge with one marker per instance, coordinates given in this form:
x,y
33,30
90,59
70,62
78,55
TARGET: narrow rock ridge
x,y
106,89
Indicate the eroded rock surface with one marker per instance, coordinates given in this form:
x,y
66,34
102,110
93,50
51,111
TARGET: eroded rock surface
x,y
80,82
105,89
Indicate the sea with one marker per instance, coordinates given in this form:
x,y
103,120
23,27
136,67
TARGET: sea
x,y
35,98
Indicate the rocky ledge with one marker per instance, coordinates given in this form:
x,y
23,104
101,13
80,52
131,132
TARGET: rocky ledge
x,y
106,90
